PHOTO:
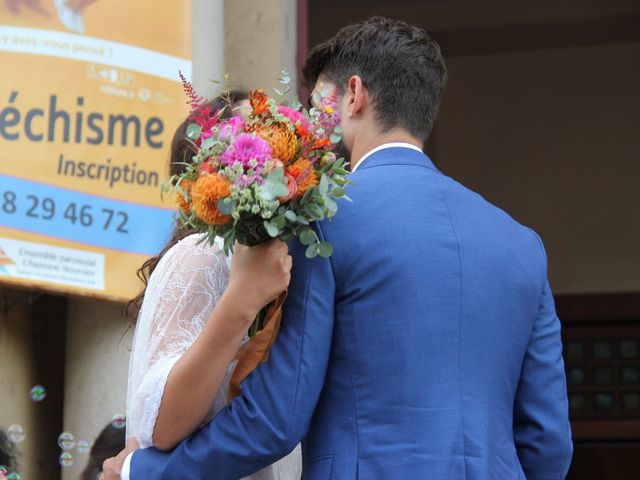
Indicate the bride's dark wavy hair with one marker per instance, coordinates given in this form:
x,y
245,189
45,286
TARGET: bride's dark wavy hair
x,y
181,151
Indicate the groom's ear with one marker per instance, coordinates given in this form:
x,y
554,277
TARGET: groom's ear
x,y
357,97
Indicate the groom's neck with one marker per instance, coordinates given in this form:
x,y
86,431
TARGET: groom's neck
x,y
370,139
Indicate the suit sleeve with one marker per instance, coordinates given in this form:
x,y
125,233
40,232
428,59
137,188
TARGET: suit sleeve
x,y
541,424
273,413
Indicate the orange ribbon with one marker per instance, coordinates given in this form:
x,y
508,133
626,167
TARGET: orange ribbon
x,y
256,350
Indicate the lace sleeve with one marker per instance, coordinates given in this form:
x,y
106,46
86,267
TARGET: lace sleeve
x,y
181,294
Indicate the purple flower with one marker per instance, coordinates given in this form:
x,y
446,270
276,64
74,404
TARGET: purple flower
x,y
245,150
245,180
231,128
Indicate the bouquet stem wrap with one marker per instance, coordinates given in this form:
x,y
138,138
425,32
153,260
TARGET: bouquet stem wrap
x,y
256,350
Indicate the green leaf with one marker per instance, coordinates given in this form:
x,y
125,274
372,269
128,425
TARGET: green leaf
x,y
331,205
208,143
315,211
226,206
279,221
308,237
290,215
312,251
271,229
324,185
338,192
280,190
193,131
276,175
325,249
335,138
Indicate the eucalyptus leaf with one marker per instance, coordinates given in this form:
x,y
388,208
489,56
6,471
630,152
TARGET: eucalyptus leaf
x,y
308,237
331,205
208,143
277,175
280,221
193,131
280,190
312,251
323,188
338,192
271,229
290,215
315,211
226,206
325,249
335,138
266,192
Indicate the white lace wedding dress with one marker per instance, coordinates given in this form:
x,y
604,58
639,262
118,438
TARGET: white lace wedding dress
x,y
182,292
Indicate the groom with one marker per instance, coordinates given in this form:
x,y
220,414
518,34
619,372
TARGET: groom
x,y
427,346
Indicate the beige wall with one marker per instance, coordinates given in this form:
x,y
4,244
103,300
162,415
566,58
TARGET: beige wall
x,y
17,374
96,371
552,137
260,41
31,352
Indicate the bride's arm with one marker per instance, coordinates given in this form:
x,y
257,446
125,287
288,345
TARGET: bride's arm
x,y
197,376
186,366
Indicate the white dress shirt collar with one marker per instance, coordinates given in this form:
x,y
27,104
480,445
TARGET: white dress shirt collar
x,y
382,147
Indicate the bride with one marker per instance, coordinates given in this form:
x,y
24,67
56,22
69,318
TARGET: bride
x,y
192,317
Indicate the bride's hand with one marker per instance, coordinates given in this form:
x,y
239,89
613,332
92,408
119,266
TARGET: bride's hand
x,y
259,274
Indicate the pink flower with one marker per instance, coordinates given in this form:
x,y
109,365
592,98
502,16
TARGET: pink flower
x,y
294,116
245,150
231,128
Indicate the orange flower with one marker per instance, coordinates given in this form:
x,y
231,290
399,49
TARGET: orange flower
x,y
302,171
258,101
321,143
283,142
208,190
180,199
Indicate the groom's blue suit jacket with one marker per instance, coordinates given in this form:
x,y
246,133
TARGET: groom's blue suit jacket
x,y
426,347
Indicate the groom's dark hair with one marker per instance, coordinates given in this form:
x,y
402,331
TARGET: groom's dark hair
x,y
400,65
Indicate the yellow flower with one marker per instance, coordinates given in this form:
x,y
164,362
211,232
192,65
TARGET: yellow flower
x,y
282,141
329,110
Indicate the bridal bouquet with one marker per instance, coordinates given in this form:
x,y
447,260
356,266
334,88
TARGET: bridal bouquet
x,y
266,174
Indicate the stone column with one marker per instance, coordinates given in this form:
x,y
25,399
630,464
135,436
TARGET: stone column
x,y
260,41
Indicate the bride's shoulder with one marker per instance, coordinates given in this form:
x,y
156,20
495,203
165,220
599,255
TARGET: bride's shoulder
x,y
194,249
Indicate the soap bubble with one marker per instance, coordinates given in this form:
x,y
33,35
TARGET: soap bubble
x,y
16,433
66,459
119,421
66,441
38,393
83,446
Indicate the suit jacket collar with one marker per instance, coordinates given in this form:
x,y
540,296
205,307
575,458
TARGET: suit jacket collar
x,y
397,156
